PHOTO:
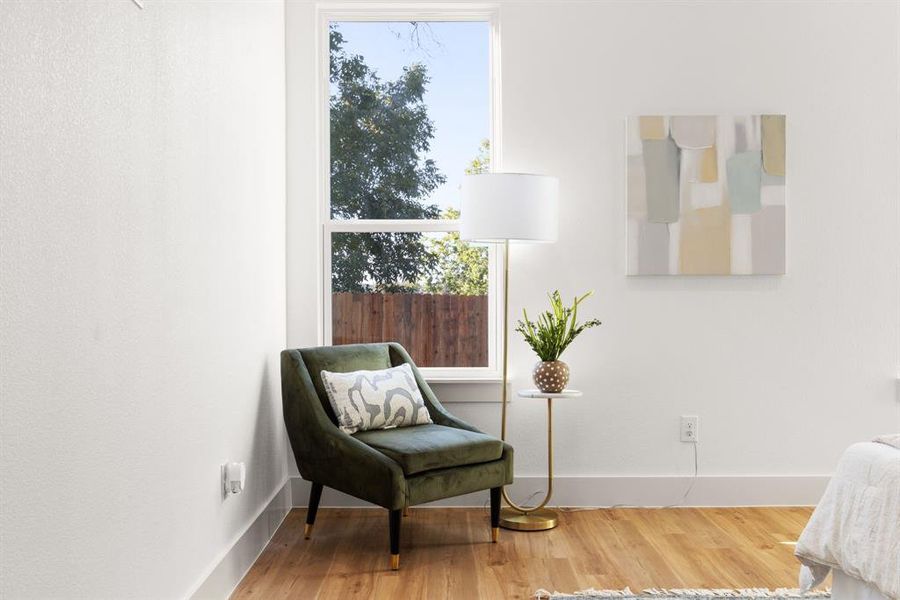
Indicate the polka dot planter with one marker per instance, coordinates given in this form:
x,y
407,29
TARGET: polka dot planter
x,y
551,377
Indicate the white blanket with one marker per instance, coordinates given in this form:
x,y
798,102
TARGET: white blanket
x,y
856,526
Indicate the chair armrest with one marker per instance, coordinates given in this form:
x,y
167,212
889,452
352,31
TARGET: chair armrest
x,y
507,457
327,455
437,411
356,468
442,417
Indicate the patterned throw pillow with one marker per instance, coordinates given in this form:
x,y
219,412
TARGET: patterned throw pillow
x,y
376,399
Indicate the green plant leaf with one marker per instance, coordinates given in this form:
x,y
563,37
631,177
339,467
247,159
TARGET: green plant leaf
x,y
555,329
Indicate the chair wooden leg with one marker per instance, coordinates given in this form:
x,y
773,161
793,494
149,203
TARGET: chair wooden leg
x,y
405,511
395,518
495,514
315,494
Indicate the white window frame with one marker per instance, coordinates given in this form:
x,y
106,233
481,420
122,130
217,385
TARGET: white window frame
x,y
355,11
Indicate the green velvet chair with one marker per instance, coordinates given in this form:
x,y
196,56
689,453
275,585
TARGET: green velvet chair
x,y
393,468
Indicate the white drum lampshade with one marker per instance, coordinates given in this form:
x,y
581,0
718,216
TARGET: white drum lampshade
x,y
515,207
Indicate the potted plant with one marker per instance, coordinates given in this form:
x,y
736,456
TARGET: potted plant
x,y
549,336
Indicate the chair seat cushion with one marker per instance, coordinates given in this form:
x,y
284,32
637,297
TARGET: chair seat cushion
x,y
423,448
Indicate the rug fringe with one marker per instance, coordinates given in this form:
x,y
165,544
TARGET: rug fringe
x,y
543,594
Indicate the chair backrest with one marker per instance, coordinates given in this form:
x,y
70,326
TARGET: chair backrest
x,y
343,359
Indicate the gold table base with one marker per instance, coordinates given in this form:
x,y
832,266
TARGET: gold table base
x,y
525,518
539,520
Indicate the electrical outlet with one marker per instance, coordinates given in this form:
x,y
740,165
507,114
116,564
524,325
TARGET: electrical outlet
x,y
233,477
690,429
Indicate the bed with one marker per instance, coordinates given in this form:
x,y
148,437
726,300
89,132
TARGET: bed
x,y
855,529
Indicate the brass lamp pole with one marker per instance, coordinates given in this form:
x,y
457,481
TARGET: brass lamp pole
x,y
518,517
504,207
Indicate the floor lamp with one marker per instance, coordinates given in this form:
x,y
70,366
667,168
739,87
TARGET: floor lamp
x,y
501,208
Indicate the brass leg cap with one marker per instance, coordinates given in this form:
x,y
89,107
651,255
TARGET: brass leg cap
x,y
395,562
495,534
307,531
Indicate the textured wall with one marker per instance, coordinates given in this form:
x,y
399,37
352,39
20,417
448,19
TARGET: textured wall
x,y
142,288
784,372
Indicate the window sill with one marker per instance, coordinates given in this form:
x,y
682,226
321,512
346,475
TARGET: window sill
x,y
467,380
467,390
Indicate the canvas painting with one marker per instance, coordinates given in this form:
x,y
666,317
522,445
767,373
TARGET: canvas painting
x,y
706,195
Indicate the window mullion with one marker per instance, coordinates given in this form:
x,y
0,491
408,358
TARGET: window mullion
x,y
390,225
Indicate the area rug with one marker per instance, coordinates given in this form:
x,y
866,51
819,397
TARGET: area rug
x,y
675,594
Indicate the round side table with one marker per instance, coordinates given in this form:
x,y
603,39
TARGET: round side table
x,y
536,518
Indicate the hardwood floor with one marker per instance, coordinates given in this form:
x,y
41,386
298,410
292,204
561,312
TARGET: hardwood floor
x,y
446,553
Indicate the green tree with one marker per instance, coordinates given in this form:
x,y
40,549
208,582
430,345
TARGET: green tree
x,y
459,267
482,161
380,135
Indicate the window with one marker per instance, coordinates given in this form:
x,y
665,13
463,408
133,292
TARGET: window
x,y
409,113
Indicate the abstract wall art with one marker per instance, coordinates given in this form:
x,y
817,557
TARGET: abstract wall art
x,y
706,195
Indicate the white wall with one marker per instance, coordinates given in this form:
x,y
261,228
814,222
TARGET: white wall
x,y
142,185
784,372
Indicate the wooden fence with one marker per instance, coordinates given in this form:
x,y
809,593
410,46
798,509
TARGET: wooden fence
x,y
438,330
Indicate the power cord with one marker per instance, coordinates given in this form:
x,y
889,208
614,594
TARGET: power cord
x,y
528,499
690,487
680,502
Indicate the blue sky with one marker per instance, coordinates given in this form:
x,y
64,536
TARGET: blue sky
x,y
458,96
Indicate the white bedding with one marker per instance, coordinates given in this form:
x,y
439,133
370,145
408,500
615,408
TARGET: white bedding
x,y
856,526
844,587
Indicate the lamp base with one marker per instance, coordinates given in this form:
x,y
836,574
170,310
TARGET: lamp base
x,y
538,520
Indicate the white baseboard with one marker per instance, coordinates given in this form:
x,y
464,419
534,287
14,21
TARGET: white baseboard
x,y
228,572
752,490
